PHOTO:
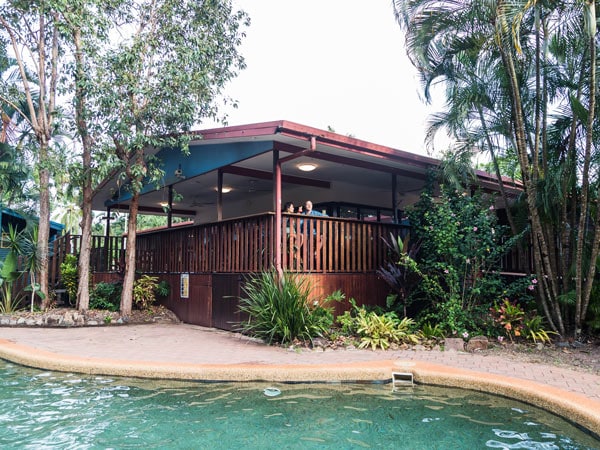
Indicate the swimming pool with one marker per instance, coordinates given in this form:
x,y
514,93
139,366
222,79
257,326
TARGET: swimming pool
x,y
41,409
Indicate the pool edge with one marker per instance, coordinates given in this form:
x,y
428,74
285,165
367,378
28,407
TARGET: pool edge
x,y
574,407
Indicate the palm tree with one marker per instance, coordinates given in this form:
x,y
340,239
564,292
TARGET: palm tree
x,y
509,70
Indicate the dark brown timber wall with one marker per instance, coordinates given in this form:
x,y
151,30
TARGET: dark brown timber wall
x,y
214,298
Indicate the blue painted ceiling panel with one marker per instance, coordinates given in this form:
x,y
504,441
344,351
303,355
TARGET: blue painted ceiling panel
x,y
201,159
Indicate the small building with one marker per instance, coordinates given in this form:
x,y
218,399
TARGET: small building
x,y
10,217
232,185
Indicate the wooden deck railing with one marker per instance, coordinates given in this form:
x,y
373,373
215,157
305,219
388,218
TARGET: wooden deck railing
x,y
310,244
108,254
247,244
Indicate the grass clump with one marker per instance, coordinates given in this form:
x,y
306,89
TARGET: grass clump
x,y
279,309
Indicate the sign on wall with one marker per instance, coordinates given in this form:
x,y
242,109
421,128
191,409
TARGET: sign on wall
x,y
184,285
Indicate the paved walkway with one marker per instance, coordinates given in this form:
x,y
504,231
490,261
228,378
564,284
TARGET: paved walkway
x,y
190,352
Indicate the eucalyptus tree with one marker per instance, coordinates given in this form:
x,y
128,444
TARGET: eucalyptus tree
x,y
86,28
33,36
14,165
162,78
521,80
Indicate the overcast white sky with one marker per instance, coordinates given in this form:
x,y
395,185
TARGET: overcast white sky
x,y
338,63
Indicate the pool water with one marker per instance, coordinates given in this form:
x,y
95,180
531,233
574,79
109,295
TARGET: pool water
x,y
45,410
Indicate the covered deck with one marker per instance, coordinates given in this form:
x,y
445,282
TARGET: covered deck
x,y
232,185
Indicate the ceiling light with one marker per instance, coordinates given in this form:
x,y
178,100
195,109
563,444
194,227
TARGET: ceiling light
x,y
164,204
224,189
307,167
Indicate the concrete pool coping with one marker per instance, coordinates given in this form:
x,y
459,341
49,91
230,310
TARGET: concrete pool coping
x,y
112,351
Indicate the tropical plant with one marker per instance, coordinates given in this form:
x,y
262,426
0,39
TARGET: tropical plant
x,y
33,29
521,82
68,276
533,330
401,272
144,291
23,248
279,309
163,288
429,331
376,330
9,301
106,296
461,245
510,317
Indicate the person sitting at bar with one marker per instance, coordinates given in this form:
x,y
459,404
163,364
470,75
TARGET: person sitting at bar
x,y
288,207
309,211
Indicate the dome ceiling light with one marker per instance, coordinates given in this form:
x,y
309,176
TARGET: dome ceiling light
x,y
307,167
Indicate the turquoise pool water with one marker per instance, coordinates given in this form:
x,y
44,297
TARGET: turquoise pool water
x,y
43,410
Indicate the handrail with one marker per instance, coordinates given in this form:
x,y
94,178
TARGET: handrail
x,y
247,244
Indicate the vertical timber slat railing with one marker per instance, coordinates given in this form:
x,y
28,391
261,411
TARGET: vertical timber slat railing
x,y
245,245
107,254
230,246
328,244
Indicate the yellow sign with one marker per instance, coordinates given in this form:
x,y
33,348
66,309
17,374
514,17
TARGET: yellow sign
x,y
184,285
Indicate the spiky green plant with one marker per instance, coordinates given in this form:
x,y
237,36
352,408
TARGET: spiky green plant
x,y
533,329
279,309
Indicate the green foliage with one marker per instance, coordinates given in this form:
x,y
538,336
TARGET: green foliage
x,y
402,273
106,296
380,331
461,246
163,288
69,276
533,330
9,273
510,316
429,331
9,301
498,86
280,311
144,291
377,330
451,317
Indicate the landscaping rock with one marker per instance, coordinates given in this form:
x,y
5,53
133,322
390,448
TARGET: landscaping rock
x,y
454,344
320,343
477,343
69,317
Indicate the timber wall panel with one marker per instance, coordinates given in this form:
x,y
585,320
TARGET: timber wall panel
x,y
214,299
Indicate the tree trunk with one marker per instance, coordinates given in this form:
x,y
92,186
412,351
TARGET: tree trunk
x,y
83,286
549,292
44,226
127,294
584,287
83,265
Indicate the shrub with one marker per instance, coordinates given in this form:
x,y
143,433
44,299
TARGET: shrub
x,y
429,331
377,330
281,311
533,330
106,296
68,276
461,246
144,291
450,317
510,316
9,300
163,289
